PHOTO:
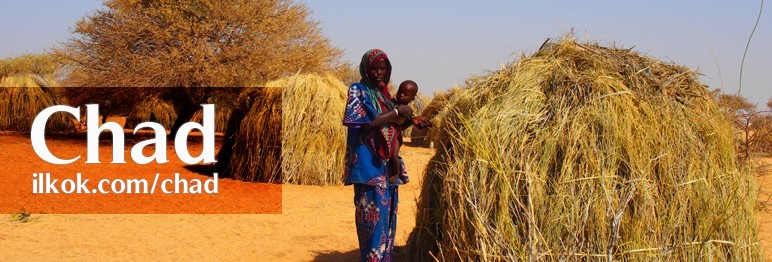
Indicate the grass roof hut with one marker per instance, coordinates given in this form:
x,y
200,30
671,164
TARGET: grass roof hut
x,y
152,109
22,97
424,137
583,152
251,148
312,138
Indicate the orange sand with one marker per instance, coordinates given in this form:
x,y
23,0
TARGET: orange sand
x,y
316,224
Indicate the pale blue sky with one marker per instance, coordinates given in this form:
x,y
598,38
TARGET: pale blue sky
x,y
440,43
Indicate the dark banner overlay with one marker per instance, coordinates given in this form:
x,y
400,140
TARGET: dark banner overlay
x,y
128,150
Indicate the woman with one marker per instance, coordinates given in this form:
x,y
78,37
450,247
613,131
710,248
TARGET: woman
x,y
370,117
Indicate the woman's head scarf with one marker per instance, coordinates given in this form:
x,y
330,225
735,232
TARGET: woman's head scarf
x,y
368,59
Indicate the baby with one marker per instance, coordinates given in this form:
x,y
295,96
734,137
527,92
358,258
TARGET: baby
x,y
405,95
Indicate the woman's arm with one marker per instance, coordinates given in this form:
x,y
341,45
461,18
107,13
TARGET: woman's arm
x,y
387,117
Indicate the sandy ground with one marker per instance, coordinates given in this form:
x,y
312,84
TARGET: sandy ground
x,y
316,224
764,216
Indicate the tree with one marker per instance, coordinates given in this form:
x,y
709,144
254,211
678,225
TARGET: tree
x,y
755,126
194,43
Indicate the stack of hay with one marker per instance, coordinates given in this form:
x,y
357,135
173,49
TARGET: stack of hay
x,y
434,111
312,141
23,97
586,152
152,109
251,149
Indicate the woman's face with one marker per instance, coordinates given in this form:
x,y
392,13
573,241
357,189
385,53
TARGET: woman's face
x,y
377,72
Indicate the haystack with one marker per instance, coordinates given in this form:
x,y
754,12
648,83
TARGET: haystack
x,y
152,109
434,111
23,97
251,149
313,139
582,152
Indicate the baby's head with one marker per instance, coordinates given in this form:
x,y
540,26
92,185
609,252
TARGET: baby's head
x,y
406,92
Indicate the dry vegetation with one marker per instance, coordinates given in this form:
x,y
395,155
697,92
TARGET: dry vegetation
x,y
192,45
251,149
23,97
586,152
434,111
313,139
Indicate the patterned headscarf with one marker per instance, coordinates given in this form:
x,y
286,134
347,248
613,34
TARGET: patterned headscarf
x,y
368,59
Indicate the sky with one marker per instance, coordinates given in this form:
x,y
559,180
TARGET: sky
x,y
441,43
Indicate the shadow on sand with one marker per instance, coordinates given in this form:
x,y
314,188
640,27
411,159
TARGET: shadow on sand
x,y
353,255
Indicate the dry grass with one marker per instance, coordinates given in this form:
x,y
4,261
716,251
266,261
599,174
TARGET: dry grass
x,y
581,152
251,149
314,139
23,97
434,108
308,131
152,109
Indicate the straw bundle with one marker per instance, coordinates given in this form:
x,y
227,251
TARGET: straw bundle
x,y
586,152
23,97
152,109
251,149
424,137
313,140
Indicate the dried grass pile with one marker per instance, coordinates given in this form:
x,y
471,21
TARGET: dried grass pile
x,y
152,109
582,152
251,149
312,139
434,111
23,97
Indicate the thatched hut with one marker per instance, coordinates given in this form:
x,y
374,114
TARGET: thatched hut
x,y
152,109
434,111
313,140
23,97
224,99
582,152
251,148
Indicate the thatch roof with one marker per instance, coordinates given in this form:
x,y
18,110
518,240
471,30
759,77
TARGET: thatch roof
x,y
583,152
23,97
313,141
152,109
425,137
251,149
224,100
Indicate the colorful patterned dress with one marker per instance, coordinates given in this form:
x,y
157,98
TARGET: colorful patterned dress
x,y
375,200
